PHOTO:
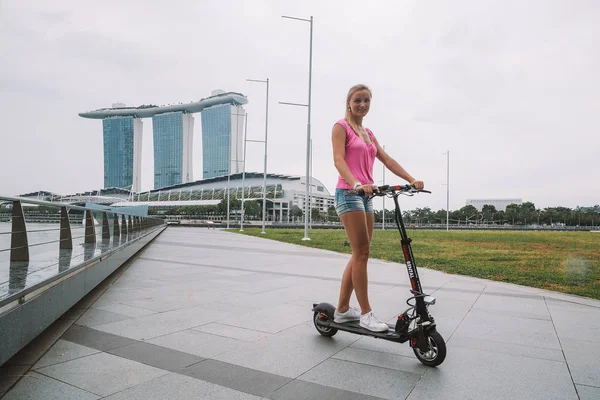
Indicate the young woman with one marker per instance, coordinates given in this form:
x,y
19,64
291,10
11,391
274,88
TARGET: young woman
x,y
354,151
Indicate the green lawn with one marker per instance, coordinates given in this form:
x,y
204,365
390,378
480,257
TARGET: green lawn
x,y
567,262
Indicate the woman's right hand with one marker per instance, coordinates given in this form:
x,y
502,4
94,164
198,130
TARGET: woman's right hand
x,y
367,189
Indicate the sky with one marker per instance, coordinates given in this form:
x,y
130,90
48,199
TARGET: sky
x,y
509,88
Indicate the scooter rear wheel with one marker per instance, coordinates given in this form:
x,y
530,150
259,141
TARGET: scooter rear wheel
x,y
437,350
323,330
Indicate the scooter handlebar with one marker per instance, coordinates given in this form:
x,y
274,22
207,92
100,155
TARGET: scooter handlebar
x,y
387,189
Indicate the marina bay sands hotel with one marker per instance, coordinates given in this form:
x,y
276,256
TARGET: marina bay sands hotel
x,y
173,130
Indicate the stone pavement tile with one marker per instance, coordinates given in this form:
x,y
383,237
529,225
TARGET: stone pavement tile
x,y
443,294
383,360
497,288
584,361
63,351
510,313
119,296
156,356
229,308
133,312
73,313
178,387
260,300
198,343
465,283
577,323
481,375
102,374
123,283
95,339
170,299
246,335
300,390
272,320
500,328
565,305
365,379
270,283
514,349
95,316
160,324
36,386
571,298
289,353
235,377
588,392
29,354
512,304
9,375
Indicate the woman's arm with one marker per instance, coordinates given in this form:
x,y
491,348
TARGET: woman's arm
x,y
338,138
396,168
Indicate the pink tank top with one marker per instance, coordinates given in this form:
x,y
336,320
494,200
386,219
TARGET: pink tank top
x,y
360,157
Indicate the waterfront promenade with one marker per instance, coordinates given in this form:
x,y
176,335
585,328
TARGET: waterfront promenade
x,y
207,314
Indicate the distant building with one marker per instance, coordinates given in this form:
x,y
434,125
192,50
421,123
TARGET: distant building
x,y
222,140
283,193
173,138
499,204
173,135
122,143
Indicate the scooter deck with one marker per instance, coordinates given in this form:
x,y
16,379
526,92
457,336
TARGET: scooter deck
x,y
354,327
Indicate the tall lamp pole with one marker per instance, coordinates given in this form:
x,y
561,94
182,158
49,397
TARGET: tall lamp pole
x,y
243,174
264,212
229,161
448,190
383,212
308,140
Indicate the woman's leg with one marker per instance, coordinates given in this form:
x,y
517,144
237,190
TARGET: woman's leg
x,y
355,275
347,286
346,289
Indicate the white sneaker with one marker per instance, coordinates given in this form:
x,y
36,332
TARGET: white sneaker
x,y
371,322
351,315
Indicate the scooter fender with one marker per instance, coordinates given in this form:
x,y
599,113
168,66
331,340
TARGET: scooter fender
x,y
324,308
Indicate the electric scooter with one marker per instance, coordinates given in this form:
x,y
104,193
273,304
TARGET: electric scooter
x,y
415,325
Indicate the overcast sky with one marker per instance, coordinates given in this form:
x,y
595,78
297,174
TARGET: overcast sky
x,y
510,88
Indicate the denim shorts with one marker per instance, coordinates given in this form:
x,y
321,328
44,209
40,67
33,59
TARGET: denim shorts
x,y
352,202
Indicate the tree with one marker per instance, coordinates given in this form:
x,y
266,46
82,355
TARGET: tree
x,y
488,211
252,208
315,214
467,212
296,212
512,213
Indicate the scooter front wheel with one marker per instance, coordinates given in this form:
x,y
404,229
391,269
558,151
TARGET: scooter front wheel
x,y
323,330
437,350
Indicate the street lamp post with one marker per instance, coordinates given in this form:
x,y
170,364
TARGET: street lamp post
x,y
448,191
383,198
308,140
229,161
264,213
243,175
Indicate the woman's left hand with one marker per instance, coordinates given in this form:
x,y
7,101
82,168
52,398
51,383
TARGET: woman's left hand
x,y
418,184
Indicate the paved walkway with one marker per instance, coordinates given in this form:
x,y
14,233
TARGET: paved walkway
x,y
206,314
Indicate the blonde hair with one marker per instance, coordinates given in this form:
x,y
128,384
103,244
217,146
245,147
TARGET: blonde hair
x,y
348,117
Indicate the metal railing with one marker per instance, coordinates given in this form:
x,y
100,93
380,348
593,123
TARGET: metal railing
x,y
98,225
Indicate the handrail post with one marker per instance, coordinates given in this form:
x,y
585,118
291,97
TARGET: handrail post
x,y
116,230
90,231
130,224
66,239
105,227
19,248
124,229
